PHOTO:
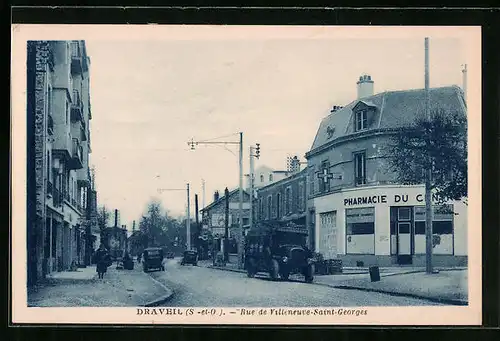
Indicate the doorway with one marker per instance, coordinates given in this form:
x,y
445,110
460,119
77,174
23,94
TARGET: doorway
x,y
403,221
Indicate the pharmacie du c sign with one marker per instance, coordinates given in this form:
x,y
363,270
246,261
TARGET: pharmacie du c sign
x,y
382,199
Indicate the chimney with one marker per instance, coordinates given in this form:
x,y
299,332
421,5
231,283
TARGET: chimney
x,y
365,86
335,108
216,195
464,82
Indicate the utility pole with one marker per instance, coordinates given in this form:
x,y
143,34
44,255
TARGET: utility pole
x,y
240,205
226,225
428,173
197,220
464,82
254,153
188,221
203,192
239,234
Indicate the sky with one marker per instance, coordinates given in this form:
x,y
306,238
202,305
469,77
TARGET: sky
x,y
150,97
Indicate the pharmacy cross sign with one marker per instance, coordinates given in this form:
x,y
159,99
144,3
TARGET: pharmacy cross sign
x,y
325,175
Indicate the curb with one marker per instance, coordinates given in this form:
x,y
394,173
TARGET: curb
x,y
448,301
160,301
226,269
164,298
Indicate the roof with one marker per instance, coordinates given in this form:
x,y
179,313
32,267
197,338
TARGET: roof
x,y
393,109
284,180
234,191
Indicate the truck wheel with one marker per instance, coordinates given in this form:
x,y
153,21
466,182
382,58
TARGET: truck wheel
x,y
275,270
309,273
285,275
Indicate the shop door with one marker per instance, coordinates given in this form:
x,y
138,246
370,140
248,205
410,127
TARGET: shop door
x,y
328,235
404,237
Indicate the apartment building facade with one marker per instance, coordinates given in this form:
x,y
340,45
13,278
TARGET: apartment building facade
x,y
59,186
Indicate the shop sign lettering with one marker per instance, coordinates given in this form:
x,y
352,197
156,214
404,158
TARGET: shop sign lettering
x,y
382,199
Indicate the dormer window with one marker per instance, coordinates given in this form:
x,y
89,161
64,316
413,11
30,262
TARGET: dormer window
x,y
361,120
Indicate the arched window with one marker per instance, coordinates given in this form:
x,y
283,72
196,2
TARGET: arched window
x,y
271,177
261,178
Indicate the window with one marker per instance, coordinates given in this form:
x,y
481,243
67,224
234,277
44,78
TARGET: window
x,y
261,178
359,168
288,200
442,220
361,120
269,204
360,230
311,184
48,167
301,197
67,111
270,177
261,208
278,205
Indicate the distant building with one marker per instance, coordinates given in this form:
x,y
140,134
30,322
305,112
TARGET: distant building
x,y
284,201
213,217
265,175
58,139
360,213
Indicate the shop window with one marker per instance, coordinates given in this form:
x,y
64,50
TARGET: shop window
x,y
360,230
442,229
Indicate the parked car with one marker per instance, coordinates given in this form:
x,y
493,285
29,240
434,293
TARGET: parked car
x,y
190,257
279,251
153,259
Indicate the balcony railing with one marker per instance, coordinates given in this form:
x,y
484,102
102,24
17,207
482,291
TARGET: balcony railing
x,y
49,188
76,161
76,106
50,125
56,198
76,57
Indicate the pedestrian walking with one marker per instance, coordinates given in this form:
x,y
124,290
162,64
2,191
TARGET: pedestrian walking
x,y
102,260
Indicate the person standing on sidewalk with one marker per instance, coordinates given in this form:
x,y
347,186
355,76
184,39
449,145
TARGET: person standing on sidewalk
x,y
102,259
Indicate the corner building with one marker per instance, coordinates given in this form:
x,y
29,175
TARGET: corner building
x,y
360,214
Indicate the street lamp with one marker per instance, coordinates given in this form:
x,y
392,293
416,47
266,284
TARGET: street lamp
x,y
192,145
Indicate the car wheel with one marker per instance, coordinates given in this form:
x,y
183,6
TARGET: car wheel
x,y
275,270
285,275
309,274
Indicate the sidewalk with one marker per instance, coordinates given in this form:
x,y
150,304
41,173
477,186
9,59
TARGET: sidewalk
x,y
449,286
82,288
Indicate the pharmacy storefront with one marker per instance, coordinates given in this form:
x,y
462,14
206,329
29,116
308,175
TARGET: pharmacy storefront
x,y
385,225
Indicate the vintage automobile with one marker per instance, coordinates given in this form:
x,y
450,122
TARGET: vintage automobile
x,y
279,251
190,257
152,259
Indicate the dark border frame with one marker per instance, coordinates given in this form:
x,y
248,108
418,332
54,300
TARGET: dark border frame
x,y
487,18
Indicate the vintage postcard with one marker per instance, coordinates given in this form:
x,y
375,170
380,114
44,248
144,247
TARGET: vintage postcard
x,y
319,175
